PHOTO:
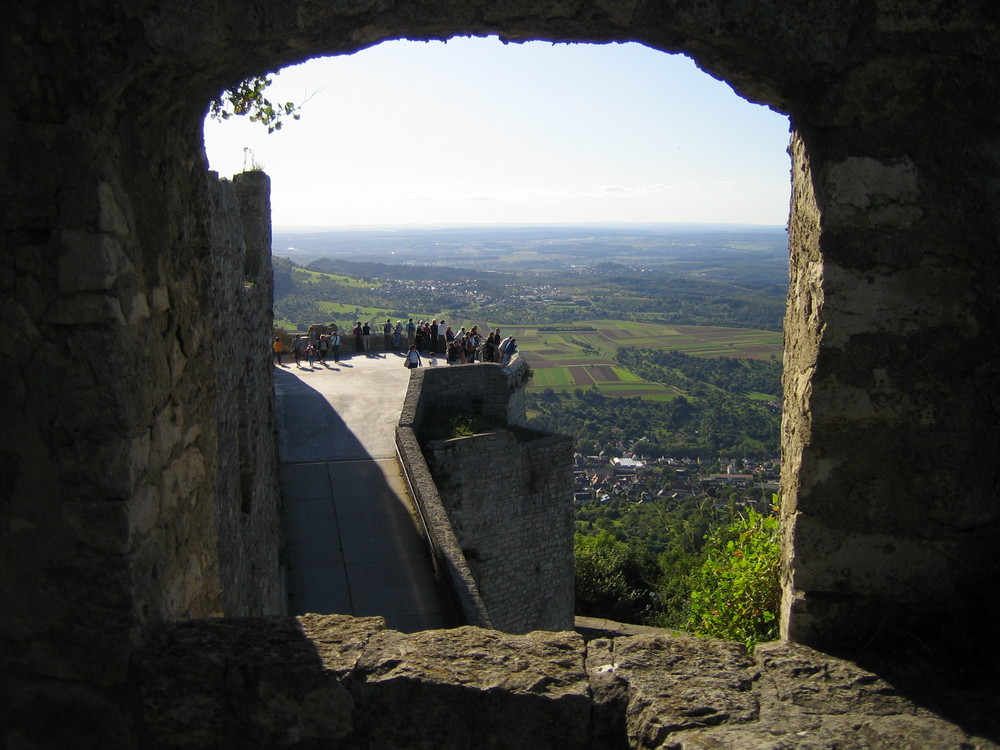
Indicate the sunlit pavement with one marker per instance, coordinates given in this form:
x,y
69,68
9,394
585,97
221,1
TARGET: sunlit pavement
x,y
354,544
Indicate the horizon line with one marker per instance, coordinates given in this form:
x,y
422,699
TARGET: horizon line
x,y
306,228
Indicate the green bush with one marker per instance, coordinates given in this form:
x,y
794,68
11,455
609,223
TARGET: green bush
x,y
614,580
735,594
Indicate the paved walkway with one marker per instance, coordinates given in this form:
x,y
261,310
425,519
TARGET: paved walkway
x,y
354,543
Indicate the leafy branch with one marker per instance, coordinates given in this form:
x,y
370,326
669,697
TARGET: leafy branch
x,y
247,99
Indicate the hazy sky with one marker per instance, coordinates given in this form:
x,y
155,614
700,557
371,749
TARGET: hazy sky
x,y
475,131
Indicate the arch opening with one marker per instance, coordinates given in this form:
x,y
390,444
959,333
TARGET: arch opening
x,y
419,125
890,426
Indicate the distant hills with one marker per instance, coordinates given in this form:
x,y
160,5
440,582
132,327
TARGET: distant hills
x,y
708,275
747,254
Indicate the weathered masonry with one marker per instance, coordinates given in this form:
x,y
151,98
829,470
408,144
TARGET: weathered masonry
x,y
496,506
136,473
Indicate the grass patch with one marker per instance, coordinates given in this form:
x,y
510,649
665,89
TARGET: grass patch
x,y
458,424
755,396
314,277
440,425
626,376
354,312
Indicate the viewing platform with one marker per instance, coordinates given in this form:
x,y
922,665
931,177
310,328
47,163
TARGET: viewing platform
x,y
354,544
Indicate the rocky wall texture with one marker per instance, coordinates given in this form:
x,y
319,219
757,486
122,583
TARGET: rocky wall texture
x,y
110,452
890,367
510,505
123,504
488,390
446,552
249,536
498,511
334,681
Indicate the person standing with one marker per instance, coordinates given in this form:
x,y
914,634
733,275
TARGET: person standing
x,y
508,350
359,341
366,336
489,346
413,358
397,335
335,345
448,338
434,336
299,344
411,333
500,349
471,344
277,347
387,334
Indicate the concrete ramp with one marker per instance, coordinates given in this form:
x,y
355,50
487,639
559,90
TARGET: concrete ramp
x,y
354,544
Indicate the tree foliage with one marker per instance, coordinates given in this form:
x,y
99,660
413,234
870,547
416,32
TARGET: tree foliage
x,y
248,99
702,564
614,579
735,594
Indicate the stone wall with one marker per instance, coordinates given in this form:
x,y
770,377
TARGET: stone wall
x,y
112,447
510,505
498,510
251,579
140,471
484,389
334,681
446,551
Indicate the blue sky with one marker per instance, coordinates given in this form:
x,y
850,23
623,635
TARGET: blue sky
x,y
473,131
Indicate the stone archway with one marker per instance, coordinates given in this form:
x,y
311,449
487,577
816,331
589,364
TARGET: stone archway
x,y
118,307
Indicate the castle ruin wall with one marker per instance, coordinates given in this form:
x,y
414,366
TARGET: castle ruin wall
x,y
510,505
111,293
504,502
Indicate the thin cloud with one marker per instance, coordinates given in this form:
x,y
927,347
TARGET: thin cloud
x,y
624,191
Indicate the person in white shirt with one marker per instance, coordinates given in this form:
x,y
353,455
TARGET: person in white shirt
x,y
413,358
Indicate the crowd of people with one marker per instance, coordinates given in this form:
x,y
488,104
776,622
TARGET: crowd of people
x,y
432,340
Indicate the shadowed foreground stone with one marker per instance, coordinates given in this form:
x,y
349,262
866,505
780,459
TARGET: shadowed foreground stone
x,y
336,681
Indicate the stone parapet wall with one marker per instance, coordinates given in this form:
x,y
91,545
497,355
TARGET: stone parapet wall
x,y
486,389
509,503
446,552
498,511
518,374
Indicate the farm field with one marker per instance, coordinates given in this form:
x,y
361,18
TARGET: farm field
x,y
581,356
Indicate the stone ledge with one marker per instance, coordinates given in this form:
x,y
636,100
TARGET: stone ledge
x,y
333,680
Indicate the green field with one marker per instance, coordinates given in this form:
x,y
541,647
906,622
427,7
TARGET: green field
x,y
341,312
311,277
581,356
